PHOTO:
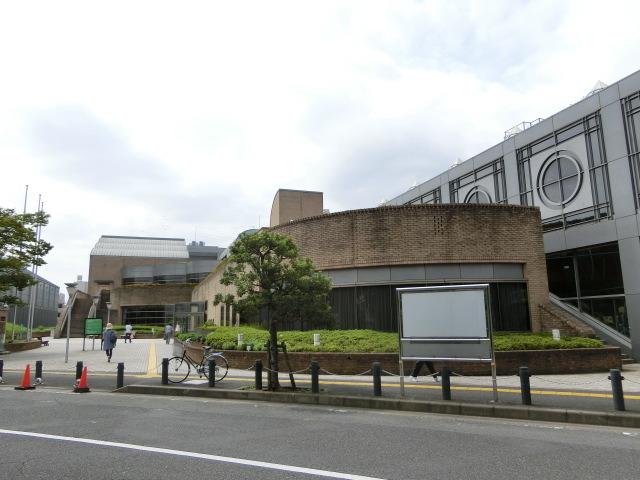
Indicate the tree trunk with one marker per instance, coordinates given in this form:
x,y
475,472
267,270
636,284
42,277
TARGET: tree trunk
x,y
273,383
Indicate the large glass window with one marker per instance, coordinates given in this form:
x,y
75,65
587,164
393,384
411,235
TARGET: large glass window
x,y
375,307
591,280
144,315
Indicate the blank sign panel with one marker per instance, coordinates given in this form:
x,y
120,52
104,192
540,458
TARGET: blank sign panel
x,y
444,313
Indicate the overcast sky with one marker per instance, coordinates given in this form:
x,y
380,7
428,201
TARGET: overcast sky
x,y
183,119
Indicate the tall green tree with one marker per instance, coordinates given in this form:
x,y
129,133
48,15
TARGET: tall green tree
x,y
20,249
268,273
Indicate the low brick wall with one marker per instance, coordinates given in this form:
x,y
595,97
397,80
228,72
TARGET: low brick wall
x,y
578,360
21,346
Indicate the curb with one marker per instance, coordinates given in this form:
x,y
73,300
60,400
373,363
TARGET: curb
x,y
512,412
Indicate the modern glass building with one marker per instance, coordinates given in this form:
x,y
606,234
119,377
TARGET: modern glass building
x,y
42,301
581,167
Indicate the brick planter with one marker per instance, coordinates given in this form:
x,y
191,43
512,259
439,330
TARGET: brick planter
x,y
540,362
21,346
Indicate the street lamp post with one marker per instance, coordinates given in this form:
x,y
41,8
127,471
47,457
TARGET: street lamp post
x,y
108,311
71,290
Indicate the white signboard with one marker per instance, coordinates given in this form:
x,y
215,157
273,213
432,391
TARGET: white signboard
x,y
445,323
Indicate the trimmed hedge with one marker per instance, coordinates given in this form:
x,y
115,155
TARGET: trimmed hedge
x,y
365,341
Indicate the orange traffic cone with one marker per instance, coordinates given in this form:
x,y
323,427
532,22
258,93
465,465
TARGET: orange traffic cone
x,y
26,384
82,386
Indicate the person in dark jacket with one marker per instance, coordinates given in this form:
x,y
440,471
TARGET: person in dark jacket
x,y
109,339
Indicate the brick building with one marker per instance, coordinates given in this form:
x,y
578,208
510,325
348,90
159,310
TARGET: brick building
x,y
369,253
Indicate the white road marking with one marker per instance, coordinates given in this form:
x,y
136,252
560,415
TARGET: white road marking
x,y
202,456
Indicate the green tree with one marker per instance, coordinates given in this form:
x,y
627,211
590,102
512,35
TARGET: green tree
x,y
20,249
268,273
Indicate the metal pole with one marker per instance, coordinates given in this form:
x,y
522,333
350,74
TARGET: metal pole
x,y
315,384
377,384
165,371
120,379
445,372
78,372
38,372
212,371
616,386
525,387
258,367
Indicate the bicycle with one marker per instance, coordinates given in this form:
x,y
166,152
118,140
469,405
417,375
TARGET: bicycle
x,y
180,367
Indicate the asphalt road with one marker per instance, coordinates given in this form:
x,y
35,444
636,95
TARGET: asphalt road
x,y
119,436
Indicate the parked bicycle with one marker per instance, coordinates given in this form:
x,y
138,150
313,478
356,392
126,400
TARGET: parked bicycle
x,y
180,366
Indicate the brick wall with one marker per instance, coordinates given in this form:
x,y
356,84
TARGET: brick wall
x,y
429,234
540,362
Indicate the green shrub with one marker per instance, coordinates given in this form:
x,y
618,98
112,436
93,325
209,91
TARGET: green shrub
x,y
367,341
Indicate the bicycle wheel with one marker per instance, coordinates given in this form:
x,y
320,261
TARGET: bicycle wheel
x,y
178,369
222,366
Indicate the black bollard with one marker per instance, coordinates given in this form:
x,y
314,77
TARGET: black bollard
x,y
79,367
212,371
1,369
377,384
165,371
445,373
616,386
120,378
38,372
315,384
258,367
525,387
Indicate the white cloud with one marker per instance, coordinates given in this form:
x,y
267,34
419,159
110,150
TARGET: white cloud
x,y
183,119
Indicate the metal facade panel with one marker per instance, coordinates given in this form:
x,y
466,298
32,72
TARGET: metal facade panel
x,y
409,272
477,270
534,133
622,188
609,95
629,85
615,143
627,227
442,272
343,277
576,112
374,274
555,241
630,262
508,271
591,234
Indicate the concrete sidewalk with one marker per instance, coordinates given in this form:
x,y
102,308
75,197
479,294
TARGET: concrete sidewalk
x,y
555,397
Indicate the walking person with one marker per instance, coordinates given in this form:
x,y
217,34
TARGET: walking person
x,y
109,339
418,366
167,333
127,332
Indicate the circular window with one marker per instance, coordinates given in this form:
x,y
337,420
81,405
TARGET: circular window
x,y
559,179
478,195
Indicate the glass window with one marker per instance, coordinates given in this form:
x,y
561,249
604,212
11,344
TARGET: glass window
x,y
562,278
599,272
553,193
510,307
582,217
